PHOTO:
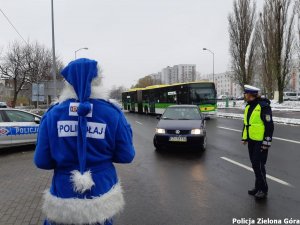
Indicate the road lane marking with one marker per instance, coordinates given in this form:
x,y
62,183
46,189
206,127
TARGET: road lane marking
x,y
250,169
275,138
138,122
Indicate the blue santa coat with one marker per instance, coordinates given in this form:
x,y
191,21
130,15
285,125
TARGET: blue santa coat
x,y
60,153
90,142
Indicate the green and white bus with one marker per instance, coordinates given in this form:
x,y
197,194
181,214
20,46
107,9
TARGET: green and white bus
x,y
155,99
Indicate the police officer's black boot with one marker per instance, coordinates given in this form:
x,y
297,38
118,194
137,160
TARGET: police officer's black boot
x,y
252,191
261,195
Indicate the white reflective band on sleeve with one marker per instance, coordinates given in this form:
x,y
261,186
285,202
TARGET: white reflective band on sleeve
x,y
73,109
69,128
266,143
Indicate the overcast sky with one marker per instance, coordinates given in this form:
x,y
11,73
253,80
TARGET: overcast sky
x,y
129,38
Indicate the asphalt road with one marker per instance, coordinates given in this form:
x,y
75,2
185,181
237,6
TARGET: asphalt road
x,y
188,187
173,187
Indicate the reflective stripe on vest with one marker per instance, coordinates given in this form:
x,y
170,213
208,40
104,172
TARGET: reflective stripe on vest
x,y
256,127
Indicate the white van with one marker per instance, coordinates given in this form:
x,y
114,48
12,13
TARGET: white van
x,y
290,96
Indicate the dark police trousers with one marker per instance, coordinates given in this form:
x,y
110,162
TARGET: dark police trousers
x,y
258,158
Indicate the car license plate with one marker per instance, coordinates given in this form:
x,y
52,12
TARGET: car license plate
x,y
178,139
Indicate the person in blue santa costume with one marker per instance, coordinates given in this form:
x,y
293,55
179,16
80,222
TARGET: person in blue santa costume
x,y
80,138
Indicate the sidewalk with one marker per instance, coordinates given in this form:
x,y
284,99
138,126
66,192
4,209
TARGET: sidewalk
x,y
287,112
21,188
289,117
287,106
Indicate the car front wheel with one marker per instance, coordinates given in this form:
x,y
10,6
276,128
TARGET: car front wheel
x,y
204,143
157,147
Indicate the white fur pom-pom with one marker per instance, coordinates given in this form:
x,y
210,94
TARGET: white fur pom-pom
x,y
82,182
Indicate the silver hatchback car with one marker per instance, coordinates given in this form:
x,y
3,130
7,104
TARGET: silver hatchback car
x,y
18,127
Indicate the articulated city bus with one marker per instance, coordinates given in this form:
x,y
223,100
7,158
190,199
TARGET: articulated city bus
x,y
155,99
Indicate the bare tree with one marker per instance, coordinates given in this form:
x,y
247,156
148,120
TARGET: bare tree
x,y
277,43
265,36
26,64
242,40
145,82
39,62
13,67
297,11
116,92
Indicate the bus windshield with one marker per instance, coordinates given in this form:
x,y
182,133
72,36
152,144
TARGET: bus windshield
x,y
202,96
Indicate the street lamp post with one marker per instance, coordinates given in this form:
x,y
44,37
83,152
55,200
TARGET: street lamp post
x,y
79,50
213,54
53,54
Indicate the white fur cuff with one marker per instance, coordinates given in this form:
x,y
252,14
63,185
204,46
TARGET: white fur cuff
x,y
82,182
84,211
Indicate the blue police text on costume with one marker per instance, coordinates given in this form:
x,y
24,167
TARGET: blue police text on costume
x,y
70,129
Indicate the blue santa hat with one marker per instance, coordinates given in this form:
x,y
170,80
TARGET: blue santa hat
x,y
248,89
80,73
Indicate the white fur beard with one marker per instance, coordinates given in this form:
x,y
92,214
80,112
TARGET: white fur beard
x,y
82,182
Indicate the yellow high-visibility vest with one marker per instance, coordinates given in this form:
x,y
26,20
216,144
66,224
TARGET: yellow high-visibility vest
x,y
256,127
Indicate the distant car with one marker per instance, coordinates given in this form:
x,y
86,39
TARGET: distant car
x,y
290,96
116,103
240,98
3,105
181,126
18,127
222,97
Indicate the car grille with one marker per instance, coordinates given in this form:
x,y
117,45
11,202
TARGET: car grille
x,y
181,132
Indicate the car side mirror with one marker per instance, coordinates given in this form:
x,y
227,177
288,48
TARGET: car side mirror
x,y
158,117
37,120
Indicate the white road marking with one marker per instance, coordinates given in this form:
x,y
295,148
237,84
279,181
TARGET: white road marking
x,y
138,122
250,169
275,138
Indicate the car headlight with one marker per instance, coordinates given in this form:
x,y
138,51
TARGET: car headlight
x,y
197,131
160,131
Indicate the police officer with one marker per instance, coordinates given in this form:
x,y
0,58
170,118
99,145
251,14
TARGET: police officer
x,y
80,138
257,133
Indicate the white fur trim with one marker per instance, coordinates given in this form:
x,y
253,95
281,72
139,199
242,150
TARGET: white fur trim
x,y
84,211
82,182
97,91
67,92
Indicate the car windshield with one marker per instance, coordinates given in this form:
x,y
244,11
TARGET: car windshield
x,y
180,113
